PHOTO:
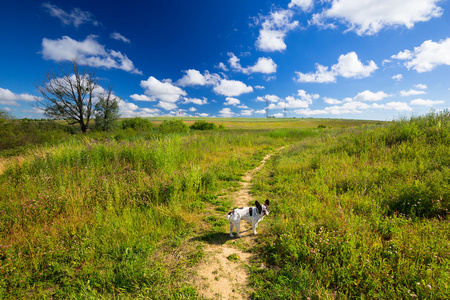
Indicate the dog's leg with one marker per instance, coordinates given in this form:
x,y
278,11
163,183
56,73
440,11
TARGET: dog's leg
x,y
238,227
231,229
254,225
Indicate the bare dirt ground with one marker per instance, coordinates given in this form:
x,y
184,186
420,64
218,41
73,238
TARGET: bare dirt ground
x,y
223,274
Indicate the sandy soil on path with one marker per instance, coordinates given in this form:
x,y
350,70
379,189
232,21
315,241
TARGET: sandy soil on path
x,y
223,273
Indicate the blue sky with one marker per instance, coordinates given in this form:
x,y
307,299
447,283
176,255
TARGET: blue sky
x,y
360,59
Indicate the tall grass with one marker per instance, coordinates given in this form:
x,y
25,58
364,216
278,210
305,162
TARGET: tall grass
x,y
360,214
111,219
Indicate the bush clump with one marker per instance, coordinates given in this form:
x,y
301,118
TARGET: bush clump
x,y
203,125
173,126
136,123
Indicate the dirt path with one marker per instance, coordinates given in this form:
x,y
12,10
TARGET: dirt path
x,y
223,274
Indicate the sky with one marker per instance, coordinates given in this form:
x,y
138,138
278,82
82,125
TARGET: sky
x,y
346,59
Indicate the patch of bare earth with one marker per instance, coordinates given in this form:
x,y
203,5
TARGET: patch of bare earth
x,y
223,274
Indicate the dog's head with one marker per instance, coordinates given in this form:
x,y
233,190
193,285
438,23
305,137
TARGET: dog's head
x,y
263,209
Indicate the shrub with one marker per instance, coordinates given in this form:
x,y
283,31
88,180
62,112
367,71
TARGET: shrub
x,y
136,123
173,126
203,125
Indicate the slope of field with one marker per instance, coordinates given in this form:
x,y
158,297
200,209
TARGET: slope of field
x,y
361,214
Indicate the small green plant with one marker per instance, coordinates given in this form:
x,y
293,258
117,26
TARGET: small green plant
x,y
233,257
321,126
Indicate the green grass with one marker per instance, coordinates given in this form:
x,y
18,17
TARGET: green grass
x,y
103,219
356,212
360,214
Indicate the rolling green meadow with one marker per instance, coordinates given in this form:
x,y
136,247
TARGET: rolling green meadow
x,y
359,209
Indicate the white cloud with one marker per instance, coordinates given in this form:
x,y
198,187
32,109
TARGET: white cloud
x,y
423,102
273,30
259,87
167,105
193,77
137,97
232,88
222,66
192,109
9,98
165,91
203,115
87,52
226,113
306,5
268,98
119,37
421,86
368,17
247,112
398,106
232,101
75,17
263,65
195,101
331,101
348,66
370,96
128,110
411,92
427,56
397,77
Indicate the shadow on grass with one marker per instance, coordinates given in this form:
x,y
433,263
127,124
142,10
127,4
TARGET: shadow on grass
x,y
217,238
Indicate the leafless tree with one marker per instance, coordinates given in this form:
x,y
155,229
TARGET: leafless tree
x,y
69,94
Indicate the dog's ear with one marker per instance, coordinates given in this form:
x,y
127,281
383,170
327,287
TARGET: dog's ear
x,y
258,206
267,202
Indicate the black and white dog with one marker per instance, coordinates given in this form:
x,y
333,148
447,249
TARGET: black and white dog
x,y
250,214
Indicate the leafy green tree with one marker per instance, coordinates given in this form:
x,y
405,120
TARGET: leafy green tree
x,y
69,95
106,111
203,125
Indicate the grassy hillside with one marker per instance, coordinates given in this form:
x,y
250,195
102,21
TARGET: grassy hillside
x,y
360,214
355,211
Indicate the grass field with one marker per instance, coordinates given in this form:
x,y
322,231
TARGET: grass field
x,y
359,210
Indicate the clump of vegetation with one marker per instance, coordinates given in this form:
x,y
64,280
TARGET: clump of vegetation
x,y
136,123
106,111
364,213
173,126
321,126
203,125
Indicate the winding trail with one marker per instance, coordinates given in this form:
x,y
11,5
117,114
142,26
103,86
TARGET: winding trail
x,y
223,274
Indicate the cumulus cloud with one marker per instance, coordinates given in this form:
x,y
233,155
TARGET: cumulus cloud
x,y
268,98
119,37
9,98
247,112
421,86
232,101
193,77
411,92
370,96
226,113
129,110
368,17
76,17
195,101
263,65
423,102
348,66
306,5
397,77
232,88
427,56
165,91
88,52
273,30
137,97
